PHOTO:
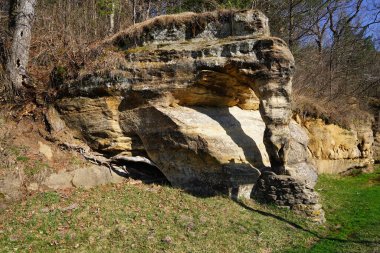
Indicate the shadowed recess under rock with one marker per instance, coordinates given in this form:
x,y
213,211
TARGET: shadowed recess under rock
x,y
159,71
147,173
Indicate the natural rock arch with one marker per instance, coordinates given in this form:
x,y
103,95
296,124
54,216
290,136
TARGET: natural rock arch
x,y
144,85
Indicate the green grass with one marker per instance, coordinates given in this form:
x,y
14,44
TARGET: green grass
x,y
352,207
152,218
22,158
35,167
15,150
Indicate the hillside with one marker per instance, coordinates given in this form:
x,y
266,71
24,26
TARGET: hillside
x,y
135,217
210,130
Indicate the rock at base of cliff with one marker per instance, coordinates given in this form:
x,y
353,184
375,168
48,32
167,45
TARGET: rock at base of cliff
x,y
289,192
11,186
93,176
87,177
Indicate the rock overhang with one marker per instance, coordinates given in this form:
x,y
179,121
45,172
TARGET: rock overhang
x,y
213,60
186,26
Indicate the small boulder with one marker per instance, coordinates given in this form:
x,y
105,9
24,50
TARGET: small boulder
x,y
45,150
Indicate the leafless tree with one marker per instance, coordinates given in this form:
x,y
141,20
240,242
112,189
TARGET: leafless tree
x,y
21,17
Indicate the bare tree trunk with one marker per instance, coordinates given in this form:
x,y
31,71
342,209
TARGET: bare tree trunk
x,y
19,54
95,18
12,14
3,63
112,19
134,11
290,24
148,11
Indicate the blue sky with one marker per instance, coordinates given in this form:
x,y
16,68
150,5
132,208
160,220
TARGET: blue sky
x,y
370,10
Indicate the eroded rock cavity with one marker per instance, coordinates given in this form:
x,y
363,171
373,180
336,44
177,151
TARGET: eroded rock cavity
x,y
183,91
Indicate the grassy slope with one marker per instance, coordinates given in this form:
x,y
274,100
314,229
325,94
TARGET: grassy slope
x,y
151,218
352,205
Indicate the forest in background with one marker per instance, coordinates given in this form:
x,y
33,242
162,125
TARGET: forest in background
x,y
334,43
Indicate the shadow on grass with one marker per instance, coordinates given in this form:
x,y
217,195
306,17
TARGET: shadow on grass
x,y
297,226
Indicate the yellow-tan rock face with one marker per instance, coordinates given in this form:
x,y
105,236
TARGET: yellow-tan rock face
x,y
332,142
184,91
336,149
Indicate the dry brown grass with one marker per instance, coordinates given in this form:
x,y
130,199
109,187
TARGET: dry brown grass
x,y
196,21
132,36
345,113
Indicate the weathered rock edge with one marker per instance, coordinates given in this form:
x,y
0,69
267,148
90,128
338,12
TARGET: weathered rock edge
x,y
164,61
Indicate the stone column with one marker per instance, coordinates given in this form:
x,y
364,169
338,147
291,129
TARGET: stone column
x,y
275,109
272,82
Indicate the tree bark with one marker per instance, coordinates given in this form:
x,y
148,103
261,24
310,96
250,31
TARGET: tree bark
x,y
19,53
112,19
134,11
12,14
148,11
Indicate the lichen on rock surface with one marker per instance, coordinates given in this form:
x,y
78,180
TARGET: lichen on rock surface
x,y
184,91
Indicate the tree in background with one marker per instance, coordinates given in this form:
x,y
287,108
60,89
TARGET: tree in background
x,y
16,58
336,58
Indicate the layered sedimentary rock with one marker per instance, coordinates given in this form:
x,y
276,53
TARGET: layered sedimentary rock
x,y
376,147
336,149
375,105
181,90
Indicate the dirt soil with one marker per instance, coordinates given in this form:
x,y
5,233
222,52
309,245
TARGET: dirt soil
x,y
29,153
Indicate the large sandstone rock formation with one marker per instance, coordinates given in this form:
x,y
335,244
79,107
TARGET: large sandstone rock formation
x,y
375,104
336,150
182,91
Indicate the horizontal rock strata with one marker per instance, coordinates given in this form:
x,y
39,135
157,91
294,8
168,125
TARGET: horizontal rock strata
x,y
336,149
181,90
